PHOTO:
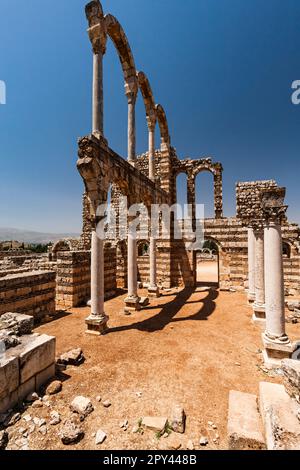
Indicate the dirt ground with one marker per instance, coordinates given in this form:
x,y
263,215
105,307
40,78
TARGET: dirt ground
x,y
189,347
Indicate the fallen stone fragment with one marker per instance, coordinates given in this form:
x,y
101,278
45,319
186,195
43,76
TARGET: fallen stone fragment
x,y
43,430
82,405
39,422
54,387
37,404
203,441
135,429
55,418
177,421
98,398
27,418
124,424
71,433
100,437
157,424
106,404
32,397
3,439
74,357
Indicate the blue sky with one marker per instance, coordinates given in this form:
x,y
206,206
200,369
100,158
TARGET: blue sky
x,y
222,69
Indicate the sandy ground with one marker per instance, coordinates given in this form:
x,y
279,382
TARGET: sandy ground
x,y
189,347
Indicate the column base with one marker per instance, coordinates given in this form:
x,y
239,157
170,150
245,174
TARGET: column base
x,y
251,298
97,325
153,291
132,304
259,313
275,350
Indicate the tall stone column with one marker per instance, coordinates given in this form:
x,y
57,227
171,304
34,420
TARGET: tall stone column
x,y
276,342
131,96
218,193
151,152
259,281
98,93
98,37
251,264
97,321
132,301
191,198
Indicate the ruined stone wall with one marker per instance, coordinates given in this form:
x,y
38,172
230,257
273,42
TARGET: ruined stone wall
x,y
73,287
31,293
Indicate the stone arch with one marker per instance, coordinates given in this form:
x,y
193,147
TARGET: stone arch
x,y
143,247
163,125
148,98
118,37
63,245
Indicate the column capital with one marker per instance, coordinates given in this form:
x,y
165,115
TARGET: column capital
x,y
273,207
97,26
131,89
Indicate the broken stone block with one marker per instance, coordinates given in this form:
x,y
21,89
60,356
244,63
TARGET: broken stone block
x,y
74,357
157,424
36,356
177,420
9,376
291,371
82,405
279,415
244,424
71,433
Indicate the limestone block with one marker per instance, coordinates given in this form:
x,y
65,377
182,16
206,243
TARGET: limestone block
x,y
36,356
244,424
26,388
279,414
42,377
155,423
9,375
291,370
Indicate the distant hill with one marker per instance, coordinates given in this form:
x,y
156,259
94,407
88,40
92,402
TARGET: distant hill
x,y
26,236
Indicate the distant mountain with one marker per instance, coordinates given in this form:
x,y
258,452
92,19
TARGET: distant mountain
x,y
26,236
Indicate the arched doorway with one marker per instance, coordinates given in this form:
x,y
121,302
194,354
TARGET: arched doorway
x,y
207,264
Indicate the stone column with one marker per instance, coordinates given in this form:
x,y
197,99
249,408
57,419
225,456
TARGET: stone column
x,y
97,321
276,342
153,289
132,301
98,93
131,96
152,152
218,193
251,264
191,198
259,304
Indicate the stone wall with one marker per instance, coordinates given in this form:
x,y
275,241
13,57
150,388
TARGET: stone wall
x,y
31,293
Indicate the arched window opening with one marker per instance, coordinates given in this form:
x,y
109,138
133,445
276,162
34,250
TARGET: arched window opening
x,y
286,250
204,188
143,249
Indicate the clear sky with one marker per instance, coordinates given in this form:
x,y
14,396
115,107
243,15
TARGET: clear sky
x,y
222,69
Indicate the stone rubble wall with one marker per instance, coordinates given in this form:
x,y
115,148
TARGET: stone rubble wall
x,y
31,293
248,200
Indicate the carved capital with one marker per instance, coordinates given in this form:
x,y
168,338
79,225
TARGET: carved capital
x,y
131,89
272,204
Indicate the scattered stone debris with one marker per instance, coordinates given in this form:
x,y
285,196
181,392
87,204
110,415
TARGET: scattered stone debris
x,y
39,422
54,387
37,404
74,357
98,398
55,418
82,405
177,421
124,424
100,437
27,418
203,441
32,397
12,419
71,432
43,430
106,404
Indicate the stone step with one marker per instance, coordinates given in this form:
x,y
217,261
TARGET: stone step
x,y
244,427
279,415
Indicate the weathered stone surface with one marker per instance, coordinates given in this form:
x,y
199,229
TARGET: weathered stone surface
x,y
36,356
100,437
155,423
54,387
291,370
177,420
279,414
82,405
55,418
9,376
71,432
244,423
